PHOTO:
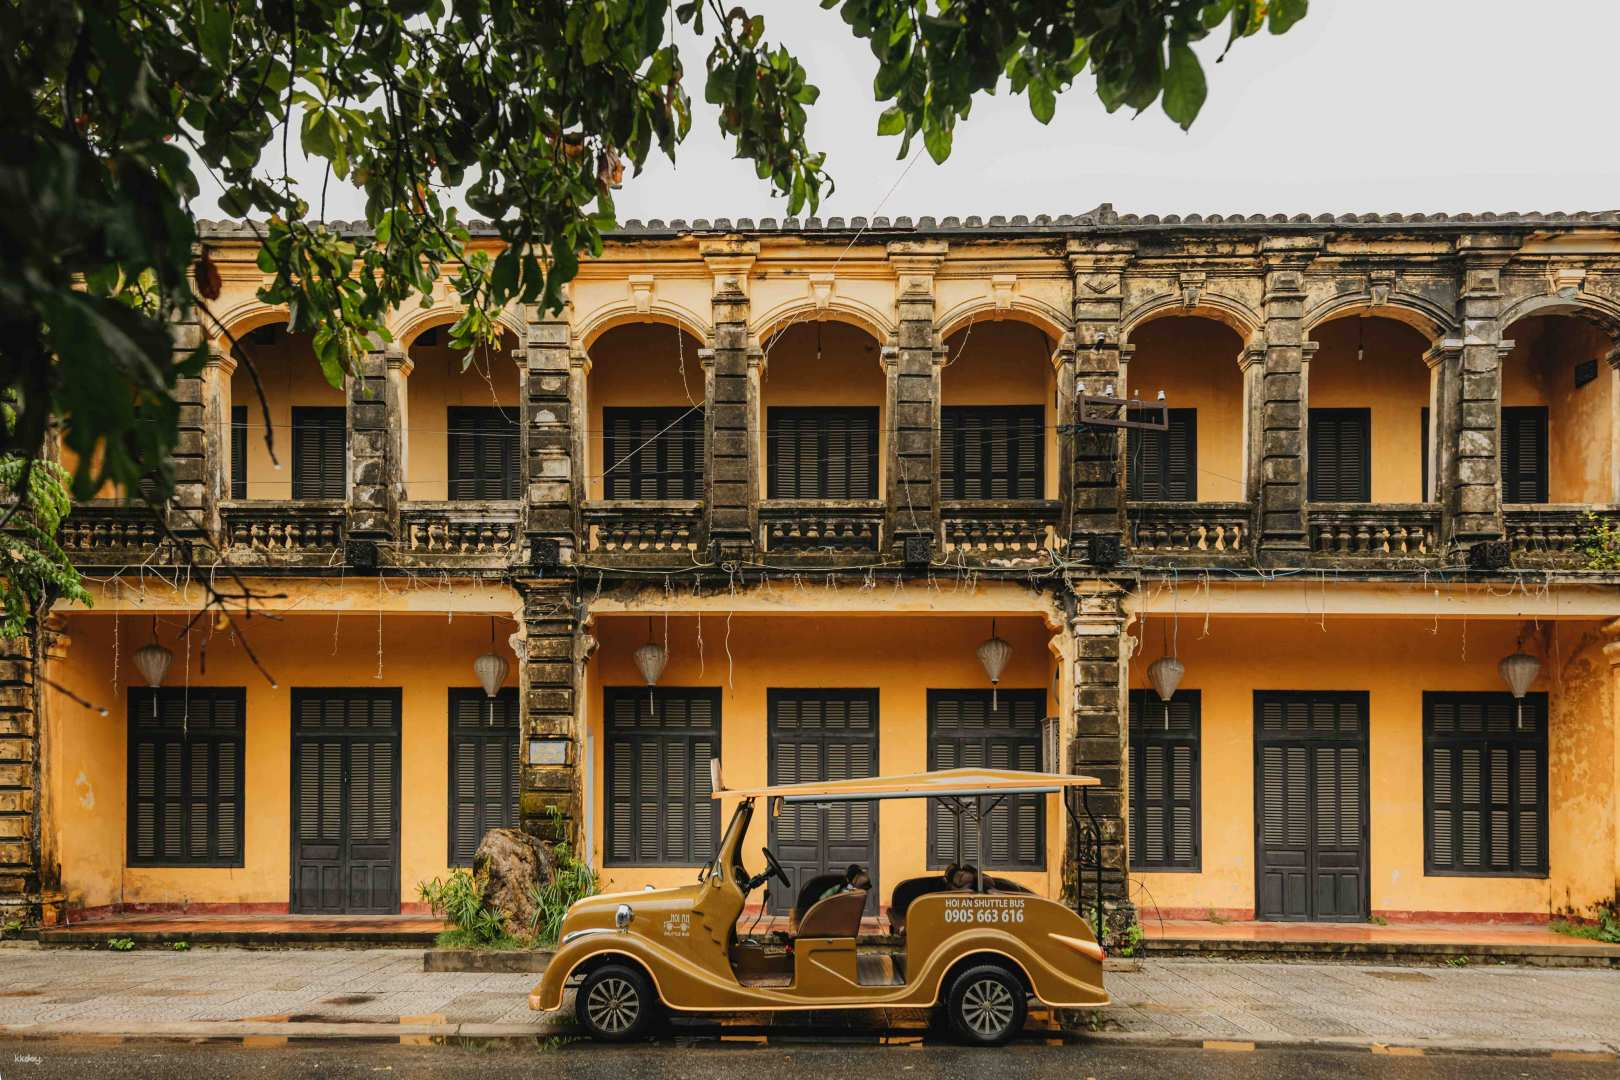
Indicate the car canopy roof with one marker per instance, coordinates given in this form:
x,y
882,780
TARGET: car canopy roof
x,y
944,783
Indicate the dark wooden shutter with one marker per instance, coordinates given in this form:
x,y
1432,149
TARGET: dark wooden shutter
x,y
1340,455
965,732
1485,784
186,776
484,452
484,762
320,453
238,451
821,452
1423,455
992,452
658,746
1524,454
652,453
1162,466
1164,741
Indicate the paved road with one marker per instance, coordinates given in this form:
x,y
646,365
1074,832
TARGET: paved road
x,y
67,1061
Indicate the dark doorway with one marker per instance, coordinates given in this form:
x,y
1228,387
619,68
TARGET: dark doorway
x,y
823,735
1310,793
345,799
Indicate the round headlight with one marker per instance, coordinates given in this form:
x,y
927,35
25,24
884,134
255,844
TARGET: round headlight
x,y
621,917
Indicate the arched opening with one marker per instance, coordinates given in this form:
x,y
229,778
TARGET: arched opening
x,y
1368,430
644,414
461,417
823,398
308,423
997,434
1558,412
1193,360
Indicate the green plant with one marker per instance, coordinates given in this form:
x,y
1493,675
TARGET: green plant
x,y
1460,961
460,899
1600,542
1130,940
120,944
1377,920
571,880
180,946
1604,926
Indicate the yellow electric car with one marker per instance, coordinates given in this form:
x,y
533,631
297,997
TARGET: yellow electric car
x,y
977,945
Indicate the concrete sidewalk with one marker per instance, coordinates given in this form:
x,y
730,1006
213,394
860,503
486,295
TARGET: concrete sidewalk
x,y
261,995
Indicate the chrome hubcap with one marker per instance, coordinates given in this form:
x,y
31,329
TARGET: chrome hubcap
x,y
988,1008
613,1005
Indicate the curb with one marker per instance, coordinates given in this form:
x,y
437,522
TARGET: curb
x,y
1571,955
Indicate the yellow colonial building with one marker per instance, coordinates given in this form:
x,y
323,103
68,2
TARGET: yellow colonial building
x,y
1295,532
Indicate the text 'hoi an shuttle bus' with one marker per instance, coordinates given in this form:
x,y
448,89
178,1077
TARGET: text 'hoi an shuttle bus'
x,y
978,946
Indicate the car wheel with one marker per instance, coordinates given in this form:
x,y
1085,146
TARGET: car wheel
x,y
616,1003
986,1005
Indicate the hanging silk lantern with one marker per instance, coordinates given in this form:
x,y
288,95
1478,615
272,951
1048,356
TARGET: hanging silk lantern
x,y
994,652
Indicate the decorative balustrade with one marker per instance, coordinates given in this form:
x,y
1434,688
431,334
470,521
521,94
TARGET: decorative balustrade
x,y
1212,530
1554,534
644,527
93,532
1374,530
282,527
459,528
998,529
814,525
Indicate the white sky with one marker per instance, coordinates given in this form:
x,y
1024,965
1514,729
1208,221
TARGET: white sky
x,y
1408,105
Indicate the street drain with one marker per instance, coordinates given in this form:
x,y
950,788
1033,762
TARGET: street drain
x,y
319,1018
349,999
19,993
1402,976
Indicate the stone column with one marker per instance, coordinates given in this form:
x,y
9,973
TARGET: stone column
x,y
553,437
399,367
1282,403
1098,746
216,380
371,507
911,376
191,511
1471,498
549,680
1611,652
731,423
20,788
1097,493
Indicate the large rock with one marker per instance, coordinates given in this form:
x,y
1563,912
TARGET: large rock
x,y
509,866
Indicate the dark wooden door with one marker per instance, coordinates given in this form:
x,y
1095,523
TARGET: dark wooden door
x,y
822,735
1311,805
345,801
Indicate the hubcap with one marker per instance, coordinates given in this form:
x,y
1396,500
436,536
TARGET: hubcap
x,y
613,1005
988,1008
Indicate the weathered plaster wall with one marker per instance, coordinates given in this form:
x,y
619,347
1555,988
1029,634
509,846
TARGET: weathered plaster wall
x,y
1394,660
902,657
1391,380
638,365
1540,370
291,376
1195,362
436,383
423,655
1004,363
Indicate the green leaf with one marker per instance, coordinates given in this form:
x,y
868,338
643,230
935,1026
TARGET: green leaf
x,y
1184,86
1283,14
937,140
892,122
1042,101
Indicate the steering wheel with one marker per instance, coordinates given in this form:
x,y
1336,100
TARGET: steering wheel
x,y
773,868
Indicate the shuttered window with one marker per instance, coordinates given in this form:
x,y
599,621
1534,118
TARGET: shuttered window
x,y
652,453
1165,826
1162,466
320,452
992,452
659,743
822,453
238,451
1340,455
484,785
185,776
1524,454
1485,784
965,732
484,452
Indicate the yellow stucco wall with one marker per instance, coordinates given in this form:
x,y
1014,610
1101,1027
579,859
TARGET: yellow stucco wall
x,y
1394,661
1540,370
902,657
638,365
1004,363
1391,380
291,376
423,655
1195,362
436,383
849,372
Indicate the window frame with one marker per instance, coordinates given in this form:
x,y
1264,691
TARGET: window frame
x,y
1145,730
299,432
1006,698
186,737
1314,426
955,433
659,695
1188,420
1543,436
506,698
472,422
776,464
239,452
672,421
1514,741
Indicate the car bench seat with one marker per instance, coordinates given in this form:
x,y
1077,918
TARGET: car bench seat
x,y
837,916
